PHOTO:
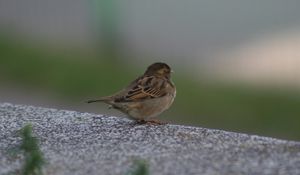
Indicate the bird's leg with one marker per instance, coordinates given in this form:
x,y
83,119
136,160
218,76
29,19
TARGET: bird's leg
x,y
141,122
150,122
155,122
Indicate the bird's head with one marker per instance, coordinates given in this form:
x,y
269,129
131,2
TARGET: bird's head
x,y
159,69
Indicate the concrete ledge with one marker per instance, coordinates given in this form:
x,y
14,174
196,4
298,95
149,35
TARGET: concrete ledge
x,y
83,143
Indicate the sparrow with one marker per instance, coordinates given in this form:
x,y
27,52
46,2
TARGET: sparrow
x,y
147,96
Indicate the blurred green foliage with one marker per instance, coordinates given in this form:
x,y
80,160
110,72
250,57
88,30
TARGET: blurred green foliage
x,y
33,156
78,75
141,168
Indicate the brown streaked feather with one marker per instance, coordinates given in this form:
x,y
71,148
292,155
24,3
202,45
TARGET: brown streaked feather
x,y
145,87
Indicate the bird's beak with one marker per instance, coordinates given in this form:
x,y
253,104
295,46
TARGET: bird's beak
x,y
172,71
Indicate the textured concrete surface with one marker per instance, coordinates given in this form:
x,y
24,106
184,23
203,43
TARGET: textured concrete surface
x,y
83,143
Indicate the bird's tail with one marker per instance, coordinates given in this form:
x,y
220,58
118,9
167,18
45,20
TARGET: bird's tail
x,y
102,99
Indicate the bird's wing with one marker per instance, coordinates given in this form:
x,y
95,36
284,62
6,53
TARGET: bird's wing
x,y
144,87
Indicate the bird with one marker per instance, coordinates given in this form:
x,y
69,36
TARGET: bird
x,y
147,96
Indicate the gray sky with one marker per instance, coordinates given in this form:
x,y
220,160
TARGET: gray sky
x,y
164,28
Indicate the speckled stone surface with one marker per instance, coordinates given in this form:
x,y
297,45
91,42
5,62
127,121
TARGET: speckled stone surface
x,y
83,143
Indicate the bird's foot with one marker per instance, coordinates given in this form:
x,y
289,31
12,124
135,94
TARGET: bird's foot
x,y
151,122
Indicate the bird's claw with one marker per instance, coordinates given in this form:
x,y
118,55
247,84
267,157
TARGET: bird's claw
x,y
150,122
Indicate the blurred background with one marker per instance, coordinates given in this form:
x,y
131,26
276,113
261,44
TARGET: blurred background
x,y
236,63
